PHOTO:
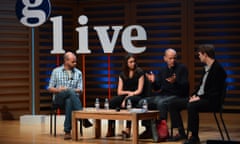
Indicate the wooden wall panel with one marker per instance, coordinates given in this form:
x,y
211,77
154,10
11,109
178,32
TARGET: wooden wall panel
x,y
217,22
101,68
163,22
177,24
180,24
45,61
15,63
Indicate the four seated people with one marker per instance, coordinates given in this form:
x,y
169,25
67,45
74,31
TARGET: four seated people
x,y
171,87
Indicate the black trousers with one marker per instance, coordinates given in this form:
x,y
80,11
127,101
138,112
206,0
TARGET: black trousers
x,y
193,114
193,109
116,102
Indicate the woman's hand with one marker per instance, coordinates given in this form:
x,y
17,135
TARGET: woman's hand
x,y
194,98
123,104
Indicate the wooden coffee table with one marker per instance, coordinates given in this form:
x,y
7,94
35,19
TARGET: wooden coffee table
x,y
91,113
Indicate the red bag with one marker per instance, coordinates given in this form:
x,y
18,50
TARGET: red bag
x,y
162,129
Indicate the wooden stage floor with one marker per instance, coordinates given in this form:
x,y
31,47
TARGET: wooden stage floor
x,y
12,132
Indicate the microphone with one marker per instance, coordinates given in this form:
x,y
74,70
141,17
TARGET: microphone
x,y
70,75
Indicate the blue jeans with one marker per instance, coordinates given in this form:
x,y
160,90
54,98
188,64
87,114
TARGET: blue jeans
x,y
72,102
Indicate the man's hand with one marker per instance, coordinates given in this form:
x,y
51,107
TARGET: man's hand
x,y
150,77
171,79
61,88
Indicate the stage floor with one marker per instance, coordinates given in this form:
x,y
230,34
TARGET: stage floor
x,y
14,132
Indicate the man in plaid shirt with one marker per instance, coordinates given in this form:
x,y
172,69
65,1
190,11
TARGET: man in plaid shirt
x,y
66,85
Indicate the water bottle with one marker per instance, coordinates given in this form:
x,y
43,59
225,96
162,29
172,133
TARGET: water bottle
x,y
106,104
145,106
129,105
97,104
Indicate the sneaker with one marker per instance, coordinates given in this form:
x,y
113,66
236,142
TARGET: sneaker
x,y
193,140
67,136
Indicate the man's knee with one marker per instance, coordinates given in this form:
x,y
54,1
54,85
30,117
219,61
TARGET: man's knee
x,y
192,107
68,102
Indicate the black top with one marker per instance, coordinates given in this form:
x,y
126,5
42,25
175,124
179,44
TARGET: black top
x,y
131,84
181,85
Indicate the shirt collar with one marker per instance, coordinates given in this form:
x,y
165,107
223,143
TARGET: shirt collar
x,y
62,67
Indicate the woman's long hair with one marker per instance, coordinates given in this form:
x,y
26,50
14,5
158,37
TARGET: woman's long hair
x,y
125,65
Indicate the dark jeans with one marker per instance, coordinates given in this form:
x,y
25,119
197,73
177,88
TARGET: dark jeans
x,y
161,104
175,108
70,101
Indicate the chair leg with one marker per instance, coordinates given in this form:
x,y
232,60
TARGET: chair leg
x,y
55,125
81,125
219,128
51,123
171,132
225,128
187,133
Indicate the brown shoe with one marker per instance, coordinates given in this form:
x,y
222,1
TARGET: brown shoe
x,y
67,136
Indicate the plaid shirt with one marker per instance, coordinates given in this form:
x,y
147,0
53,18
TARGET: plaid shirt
x,y
61,78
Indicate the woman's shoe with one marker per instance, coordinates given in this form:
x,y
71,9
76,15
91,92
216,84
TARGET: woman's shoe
x,y
125,135
86,123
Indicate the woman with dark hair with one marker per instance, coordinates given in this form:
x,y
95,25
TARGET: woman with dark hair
x,y
130,86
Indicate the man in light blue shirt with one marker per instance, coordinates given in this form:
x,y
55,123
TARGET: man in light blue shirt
x,y
66,85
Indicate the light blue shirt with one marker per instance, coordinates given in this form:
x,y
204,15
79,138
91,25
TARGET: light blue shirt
x,y
61,78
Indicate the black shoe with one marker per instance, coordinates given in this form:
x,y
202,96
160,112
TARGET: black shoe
x,y
177,138
86,123
193,140
147,134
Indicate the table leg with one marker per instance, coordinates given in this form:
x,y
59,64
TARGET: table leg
x,y
74,128
135,129
97,128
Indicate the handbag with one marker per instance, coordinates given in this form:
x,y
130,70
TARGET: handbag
x,y
162,129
